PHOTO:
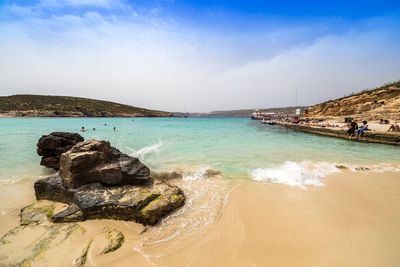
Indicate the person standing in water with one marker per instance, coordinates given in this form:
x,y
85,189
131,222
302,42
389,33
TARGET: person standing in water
x,y
115,129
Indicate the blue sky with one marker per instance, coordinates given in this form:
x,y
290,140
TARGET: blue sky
x,y
213,55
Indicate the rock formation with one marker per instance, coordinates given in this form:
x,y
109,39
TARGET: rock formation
x,y
98,181
381,103
97,161
51,146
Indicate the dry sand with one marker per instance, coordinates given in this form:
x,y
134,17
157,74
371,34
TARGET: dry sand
x,y
352,221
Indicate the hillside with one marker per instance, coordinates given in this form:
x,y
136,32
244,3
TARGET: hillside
x,y
242,112
375,104
67,106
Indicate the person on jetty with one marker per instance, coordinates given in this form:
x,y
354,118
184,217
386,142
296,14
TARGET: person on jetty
x,y
394,128
352,128
364,127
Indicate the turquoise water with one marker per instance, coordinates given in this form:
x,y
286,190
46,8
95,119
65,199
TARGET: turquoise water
x,y
235,146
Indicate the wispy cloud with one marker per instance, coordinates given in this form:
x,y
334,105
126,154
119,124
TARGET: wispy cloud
x,y
145,56
76,3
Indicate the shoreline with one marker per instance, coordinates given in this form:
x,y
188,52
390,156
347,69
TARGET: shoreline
x,y
340,223
367,136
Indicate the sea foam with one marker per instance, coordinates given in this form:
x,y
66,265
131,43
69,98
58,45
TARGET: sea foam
x,y
144,151
295,174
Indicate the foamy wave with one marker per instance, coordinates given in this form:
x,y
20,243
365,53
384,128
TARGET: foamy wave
x,y
295,174
199,174
144,151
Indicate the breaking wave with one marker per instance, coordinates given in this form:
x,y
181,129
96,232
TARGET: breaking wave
x,y
145,151
295,174
308,173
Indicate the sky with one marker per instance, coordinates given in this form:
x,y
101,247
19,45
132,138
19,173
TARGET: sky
x,y
211,55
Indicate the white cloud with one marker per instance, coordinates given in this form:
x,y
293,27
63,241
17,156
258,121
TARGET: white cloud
x,y
153,61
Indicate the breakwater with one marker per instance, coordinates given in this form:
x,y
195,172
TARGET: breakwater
x,y
367,136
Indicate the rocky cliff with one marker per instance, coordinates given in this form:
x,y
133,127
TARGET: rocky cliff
x,y
376,104
66,106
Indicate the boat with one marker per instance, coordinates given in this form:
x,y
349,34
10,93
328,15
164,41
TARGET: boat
x,y
268,122
257,115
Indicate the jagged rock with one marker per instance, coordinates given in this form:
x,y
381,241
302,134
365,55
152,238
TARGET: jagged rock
x,y
51,188
146,204
97,161
51,146
70,214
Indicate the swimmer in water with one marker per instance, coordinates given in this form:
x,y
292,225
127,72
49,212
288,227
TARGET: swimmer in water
x,y
115,129
83,129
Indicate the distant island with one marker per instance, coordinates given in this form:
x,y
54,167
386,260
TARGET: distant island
x,y
68,106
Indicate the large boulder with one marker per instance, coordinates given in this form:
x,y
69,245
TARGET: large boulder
x,y
98,181
51,146
96,161
146,204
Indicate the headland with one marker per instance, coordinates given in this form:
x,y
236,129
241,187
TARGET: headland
x,y
68,106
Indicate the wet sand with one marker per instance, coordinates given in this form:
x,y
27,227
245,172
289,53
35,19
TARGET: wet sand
x,y
352,221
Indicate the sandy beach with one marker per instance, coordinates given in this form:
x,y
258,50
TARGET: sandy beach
x,y
351,221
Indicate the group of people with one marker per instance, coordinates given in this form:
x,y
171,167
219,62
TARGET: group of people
x,y
83,129
354,129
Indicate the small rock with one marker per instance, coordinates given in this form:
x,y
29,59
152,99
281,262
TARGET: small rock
x,y
341,167
35,214
115,240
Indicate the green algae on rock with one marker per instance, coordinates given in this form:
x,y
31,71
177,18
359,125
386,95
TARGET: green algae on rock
x,y
81,260
100,182
115,240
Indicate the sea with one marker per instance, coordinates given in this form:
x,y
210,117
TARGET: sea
x,y
212,155
239,148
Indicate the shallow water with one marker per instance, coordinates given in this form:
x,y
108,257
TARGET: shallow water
x,y
238,147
